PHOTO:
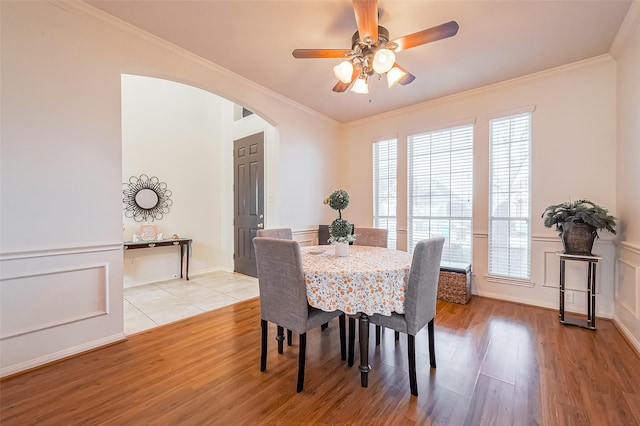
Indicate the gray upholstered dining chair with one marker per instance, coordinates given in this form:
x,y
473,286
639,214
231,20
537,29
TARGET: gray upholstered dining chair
x,y
283,234
283,297
373,237
419,304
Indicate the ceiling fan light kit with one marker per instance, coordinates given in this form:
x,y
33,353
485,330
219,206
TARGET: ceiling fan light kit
x,y
360,86
344,71
394,75
372,52
383,60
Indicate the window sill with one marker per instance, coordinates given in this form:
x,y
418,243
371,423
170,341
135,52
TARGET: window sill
x,y
497,279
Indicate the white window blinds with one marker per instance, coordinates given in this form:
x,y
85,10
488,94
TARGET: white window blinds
x,y
509,215
440,179
385,160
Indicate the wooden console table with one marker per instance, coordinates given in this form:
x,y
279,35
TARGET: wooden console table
x,y
184,243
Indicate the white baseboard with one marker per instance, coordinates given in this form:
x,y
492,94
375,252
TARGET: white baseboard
x,y
524,301
635,344
38,362
529,302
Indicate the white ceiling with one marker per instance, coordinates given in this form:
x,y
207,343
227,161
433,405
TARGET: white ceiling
x,y
497,40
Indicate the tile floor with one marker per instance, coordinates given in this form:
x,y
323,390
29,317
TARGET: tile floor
x,y
155,304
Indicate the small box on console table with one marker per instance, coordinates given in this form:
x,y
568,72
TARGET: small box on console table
x,y
454,284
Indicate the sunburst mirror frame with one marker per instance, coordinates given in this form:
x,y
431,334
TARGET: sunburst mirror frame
x,y
145,198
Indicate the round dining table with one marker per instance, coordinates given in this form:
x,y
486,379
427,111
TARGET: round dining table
x,y
369,280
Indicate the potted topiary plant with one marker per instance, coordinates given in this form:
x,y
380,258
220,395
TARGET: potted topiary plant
x,y
578,223
340,230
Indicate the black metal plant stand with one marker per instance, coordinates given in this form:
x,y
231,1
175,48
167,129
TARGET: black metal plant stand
x,y
590,321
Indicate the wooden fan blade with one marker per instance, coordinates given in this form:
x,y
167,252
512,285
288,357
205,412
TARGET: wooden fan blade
x,y
366,12
407,78
321,53
341,87
448,29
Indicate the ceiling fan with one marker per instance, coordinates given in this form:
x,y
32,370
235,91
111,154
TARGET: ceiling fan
x,y
372,52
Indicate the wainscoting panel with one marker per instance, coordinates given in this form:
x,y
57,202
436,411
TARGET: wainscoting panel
x,y
306,237
58,302
627,291
58,296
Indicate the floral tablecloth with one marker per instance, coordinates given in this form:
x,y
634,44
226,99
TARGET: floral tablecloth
x,y
371,280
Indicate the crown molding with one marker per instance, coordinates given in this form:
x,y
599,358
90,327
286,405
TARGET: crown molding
x,y
486,89
85,10
629,24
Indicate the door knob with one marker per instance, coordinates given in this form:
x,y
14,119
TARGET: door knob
x,y
260,225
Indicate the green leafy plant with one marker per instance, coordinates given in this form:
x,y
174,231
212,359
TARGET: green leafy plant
x,y
565,215
338,200
340,230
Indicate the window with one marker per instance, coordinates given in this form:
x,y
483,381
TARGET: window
x,y
440,168
509,216
385,160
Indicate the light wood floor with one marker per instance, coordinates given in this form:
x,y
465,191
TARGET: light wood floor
x,y
498,364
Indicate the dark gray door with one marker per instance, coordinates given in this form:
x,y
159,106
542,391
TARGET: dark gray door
x,y
248,184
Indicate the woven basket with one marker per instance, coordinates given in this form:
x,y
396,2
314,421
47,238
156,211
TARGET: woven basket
x,y
455,285
578,239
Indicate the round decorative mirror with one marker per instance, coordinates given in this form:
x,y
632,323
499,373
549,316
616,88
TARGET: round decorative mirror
x,y
145,198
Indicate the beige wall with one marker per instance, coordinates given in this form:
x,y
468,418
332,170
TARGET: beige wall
x,y
61,169
573,156
627,54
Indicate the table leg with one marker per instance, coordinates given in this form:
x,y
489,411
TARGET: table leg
x,y
364,350
186,249
589,284
181,258
352,341
593,296
562,275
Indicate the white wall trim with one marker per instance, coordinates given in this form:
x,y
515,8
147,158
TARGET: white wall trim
x,y
630,247
525,301
441,126
631,20
635,344
38,362
541,239
509,281
635,309
512,111
306,237
59,251
103,310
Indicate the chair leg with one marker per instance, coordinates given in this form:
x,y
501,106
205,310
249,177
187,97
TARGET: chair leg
x,y
263,349
324,326
411,349
432,344
289,337
301,360
378,328
352,340
280,339
343,338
